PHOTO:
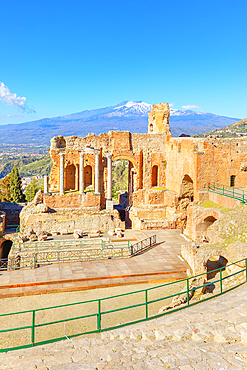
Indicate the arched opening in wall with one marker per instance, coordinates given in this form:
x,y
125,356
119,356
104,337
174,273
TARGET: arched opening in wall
x,y
88,176
232,180
4,252
123,186
212,264
155,176
203,232
70,181
151,127
186,193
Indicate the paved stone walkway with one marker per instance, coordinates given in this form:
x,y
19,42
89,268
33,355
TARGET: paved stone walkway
x,y
160,263
210,335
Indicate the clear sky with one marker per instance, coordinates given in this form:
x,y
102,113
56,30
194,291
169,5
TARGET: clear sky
x,y
62,57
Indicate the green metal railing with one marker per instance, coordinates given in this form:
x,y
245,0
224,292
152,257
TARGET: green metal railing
x,y
47,254
46,325
83,243
13,227
228,191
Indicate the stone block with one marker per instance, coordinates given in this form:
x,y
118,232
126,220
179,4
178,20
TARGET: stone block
x,y
111,232
64,232
54,232
33,238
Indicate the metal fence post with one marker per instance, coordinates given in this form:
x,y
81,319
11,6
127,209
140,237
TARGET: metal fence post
x,y
146,303
246,269
131,250
99,316
188,292
34,260
221,280
33,327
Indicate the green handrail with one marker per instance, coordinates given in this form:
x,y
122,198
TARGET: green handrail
x,y
228,191
100,312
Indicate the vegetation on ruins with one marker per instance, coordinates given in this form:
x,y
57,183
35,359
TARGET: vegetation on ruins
x,y
32,189
120,170
5,189
16,194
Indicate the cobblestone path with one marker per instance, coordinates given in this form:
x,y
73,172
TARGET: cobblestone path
x,y
210,335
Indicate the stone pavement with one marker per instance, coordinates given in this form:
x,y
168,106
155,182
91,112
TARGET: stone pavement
x,y
161,263
210,335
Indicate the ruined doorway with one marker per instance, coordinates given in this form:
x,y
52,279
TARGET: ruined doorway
x,y
123,178
88,176
203,229
155,176
70,173
4,252
212,264
187,191
232,180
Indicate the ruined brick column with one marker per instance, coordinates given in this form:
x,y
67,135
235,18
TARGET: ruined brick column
x,y
96,156
81,174
109,201
61,173
46,184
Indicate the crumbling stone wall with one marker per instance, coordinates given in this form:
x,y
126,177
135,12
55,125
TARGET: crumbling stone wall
x,y
158,119
37,216
205,160
167,174
199,221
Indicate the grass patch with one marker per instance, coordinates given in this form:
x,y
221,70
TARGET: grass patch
x,y
210,204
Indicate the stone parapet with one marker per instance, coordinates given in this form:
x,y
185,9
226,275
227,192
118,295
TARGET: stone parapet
x,y
69,200
223,201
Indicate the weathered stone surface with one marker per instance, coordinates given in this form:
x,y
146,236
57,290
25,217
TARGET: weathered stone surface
x,y
157,162
202,337
158,119
236,251
38,197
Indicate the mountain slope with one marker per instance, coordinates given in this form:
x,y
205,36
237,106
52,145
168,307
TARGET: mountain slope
x,y
235,130
127,115
27,166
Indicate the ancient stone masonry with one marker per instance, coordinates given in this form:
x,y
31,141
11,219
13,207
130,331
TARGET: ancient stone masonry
x,y
166,174
159,119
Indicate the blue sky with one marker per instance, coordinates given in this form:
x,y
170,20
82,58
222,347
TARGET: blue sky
x,y
62,57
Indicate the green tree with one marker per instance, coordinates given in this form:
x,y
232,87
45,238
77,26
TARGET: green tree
x,y
16,194
5,189
32,189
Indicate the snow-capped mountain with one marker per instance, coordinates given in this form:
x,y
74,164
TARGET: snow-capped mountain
x,y
126,116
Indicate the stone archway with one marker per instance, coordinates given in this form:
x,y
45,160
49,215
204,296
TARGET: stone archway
x,y
186,192
203,229
187,188
124,169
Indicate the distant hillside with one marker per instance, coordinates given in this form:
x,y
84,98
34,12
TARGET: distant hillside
x,y
27,166
237,129
126,116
